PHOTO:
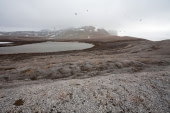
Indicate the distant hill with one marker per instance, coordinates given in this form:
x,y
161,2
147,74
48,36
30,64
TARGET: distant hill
x,y
85,32
82,33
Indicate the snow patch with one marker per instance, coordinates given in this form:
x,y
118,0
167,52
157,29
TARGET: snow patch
x,y
81,29
5,42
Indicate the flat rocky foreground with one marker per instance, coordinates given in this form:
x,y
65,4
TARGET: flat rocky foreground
x,y
114,93
115,76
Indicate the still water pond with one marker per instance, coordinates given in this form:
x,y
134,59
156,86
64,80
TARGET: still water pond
x,y
45,47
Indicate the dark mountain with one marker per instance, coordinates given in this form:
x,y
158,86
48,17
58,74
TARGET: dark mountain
x,y
82,33
70,33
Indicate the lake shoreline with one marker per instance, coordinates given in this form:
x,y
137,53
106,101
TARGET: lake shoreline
x,y
45,47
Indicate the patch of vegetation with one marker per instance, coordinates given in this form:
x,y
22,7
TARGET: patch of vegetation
x,y
33,78
19,102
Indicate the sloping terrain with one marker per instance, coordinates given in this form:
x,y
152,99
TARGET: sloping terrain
x,y
119,74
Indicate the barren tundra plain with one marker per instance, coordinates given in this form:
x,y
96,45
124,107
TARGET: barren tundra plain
x,y
117,75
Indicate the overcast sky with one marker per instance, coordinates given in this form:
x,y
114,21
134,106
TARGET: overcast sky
x,y
128,17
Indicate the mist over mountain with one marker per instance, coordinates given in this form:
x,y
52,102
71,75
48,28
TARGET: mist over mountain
x,y
69,33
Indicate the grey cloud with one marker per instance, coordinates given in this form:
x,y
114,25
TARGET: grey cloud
x,y
109,14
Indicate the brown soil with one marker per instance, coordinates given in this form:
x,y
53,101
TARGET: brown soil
x,y
119,74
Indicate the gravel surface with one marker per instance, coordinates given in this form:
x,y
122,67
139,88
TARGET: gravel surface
x,y
116,93
112,77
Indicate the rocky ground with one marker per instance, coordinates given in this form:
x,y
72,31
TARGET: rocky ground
x,y
118,75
